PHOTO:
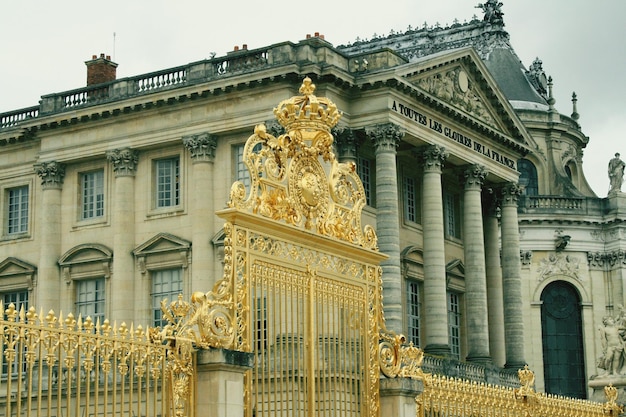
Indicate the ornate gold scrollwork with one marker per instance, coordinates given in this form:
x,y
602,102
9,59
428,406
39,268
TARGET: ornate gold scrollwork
x,y
397,359
289,182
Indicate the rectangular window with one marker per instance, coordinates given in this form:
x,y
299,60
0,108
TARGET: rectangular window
x,y
17,210
166,284
451,207
413,309
364,169
92,194
90,299
167,182
20,300
241,170
454,325
410,199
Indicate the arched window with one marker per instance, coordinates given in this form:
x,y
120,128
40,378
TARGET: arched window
x,y
561,330
528,177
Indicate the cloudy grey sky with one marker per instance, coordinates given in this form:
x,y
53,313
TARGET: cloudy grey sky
x,y
581,43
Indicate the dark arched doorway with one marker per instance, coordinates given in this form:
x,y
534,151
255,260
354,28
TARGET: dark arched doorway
x,y
561,328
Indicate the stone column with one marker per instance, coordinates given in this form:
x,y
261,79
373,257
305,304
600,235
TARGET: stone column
x,y
346,144
435,298
124,163
511,279
48,275
475,274
386,138
494,280
202,150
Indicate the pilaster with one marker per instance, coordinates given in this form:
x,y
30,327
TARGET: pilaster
x,y
201,149
52,175
124,163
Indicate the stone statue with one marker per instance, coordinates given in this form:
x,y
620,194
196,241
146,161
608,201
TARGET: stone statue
x,y
612,359
616,173
492,10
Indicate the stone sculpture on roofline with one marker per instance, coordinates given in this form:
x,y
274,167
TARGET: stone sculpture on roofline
x,y
616,174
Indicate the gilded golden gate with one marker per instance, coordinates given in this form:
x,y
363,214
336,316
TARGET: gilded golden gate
x,y
308,271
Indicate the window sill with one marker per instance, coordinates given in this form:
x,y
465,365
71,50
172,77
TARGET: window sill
x,y
165,212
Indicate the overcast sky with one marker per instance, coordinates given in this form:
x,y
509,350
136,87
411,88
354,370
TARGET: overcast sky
x,y
581,43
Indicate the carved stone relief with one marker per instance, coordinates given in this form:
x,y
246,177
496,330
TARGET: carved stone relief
x,y
557,264
454,86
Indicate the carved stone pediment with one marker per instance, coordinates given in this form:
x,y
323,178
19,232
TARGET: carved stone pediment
x,y
162,251
456,268
456,86
163,242
86,261
86,253
16,274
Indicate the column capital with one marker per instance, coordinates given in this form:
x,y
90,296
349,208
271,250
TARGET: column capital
x,y
51,174
510,194
124,161
201,146
474,176
433,157
274,128
346,142
386,136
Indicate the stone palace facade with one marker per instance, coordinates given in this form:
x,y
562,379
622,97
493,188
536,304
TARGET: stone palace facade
x,y
499,253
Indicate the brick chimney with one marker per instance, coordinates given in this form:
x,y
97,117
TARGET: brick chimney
x,y
100,70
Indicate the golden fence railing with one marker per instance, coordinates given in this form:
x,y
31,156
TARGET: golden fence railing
x,y
66,366
453,397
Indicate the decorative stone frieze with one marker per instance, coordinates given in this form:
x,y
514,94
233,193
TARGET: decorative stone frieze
x,y
51,174
124,161
607,259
